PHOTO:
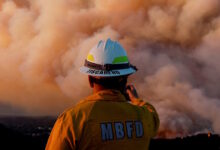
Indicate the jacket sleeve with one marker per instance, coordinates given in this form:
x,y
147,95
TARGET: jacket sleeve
x,y
148,108
63,136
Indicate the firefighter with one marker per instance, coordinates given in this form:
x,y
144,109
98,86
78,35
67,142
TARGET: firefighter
x,y
113,117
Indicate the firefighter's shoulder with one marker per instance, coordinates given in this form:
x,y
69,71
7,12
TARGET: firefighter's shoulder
x,y
83,107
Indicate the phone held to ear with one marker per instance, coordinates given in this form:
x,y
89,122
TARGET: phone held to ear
x,y
126,94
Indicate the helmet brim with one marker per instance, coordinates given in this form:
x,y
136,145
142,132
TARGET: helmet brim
x,y
111,73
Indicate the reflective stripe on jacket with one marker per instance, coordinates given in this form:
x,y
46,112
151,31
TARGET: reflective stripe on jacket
x,y
105,120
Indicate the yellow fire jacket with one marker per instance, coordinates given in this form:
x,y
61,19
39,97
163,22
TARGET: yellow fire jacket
x,y
105,121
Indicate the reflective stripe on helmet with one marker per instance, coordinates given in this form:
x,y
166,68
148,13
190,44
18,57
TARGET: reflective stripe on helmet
x,y
90,58
121,59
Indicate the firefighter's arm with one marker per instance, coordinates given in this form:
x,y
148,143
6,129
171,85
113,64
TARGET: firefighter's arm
x,y
63,136
149,108
135,100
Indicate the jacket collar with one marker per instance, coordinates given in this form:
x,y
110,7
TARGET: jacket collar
x,y
107,95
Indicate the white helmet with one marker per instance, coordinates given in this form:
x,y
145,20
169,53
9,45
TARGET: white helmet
x,y
107,59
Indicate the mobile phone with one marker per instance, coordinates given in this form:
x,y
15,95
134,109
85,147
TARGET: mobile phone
x,y
126,94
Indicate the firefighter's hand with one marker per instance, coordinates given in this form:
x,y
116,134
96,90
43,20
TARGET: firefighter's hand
x,y
132,93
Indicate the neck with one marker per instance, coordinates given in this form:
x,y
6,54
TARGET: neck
x,y
97,88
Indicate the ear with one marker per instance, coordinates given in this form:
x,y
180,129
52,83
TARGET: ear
x,y
90,81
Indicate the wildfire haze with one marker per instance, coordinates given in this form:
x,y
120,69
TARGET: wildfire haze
x,y
174,43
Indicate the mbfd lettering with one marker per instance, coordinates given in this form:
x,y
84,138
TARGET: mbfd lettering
x,y
120,130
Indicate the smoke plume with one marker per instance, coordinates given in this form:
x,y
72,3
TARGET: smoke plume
x,y
174,43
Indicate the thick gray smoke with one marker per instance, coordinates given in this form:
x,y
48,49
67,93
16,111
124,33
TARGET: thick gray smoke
x,y
174,43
